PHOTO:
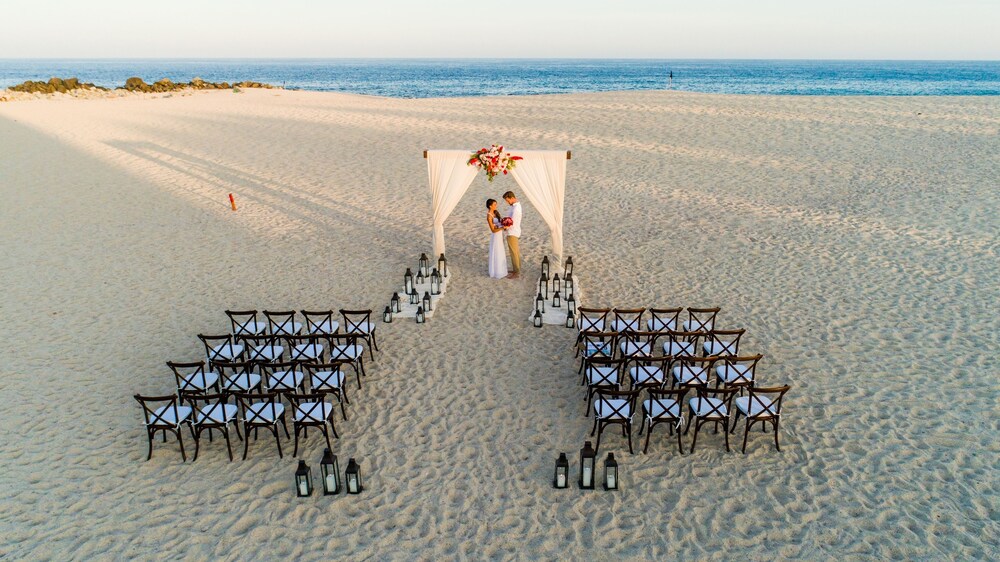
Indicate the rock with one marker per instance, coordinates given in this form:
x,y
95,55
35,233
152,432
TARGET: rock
x,y
164,85
72,84
136,84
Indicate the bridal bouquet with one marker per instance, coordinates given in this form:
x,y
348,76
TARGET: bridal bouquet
x,y
494,160
506,221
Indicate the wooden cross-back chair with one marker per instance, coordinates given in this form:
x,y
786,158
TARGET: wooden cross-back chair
x,y
164,414
359,323
221,348
763,406
193,376
737,370
211,412
591,320
264,349
320,322
601,372
282,323
245,323
329,378
710,405
312,410
649,372
238,376
691,372
345,347
307,348
283,377
701,319
682,344
723,342
663,319
636,345
626,319
261,410
663,406
614,407
596,345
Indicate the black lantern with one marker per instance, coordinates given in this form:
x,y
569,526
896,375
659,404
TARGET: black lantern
x,y
561,479
407,281
420,315
610,472
568,267
539,303
571,304
353,477
394,303
587,455
570,320
414,297
443,266
556,301
545,266
420,277
568,282
303,480
427,301
330,471
423,266
543,285
555,282
387,315
537,319
435,282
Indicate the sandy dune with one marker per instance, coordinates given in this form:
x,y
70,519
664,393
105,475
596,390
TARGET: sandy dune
x,y
855,238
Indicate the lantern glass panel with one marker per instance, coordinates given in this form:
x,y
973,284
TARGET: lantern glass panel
x,y
443,266
537,319
556,300
539,303
330,470
353,477
611,473
387,315
427,301
420,315
570,320
587,456
303,480
561,478
395,303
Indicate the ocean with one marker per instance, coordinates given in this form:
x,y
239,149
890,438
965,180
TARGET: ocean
x,y
426,78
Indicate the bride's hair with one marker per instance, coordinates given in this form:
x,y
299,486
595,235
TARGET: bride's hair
x,y
489,203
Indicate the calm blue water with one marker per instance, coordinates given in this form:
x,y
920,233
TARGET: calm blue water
x,y
423,78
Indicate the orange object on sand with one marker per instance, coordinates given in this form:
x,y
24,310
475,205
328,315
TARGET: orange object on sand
x,y
232,201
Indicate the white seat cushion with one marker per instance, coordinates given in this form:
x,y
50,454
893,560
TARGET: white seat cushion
x,y
285,380
216,413
286,328
690,375
679,348
646,374
363,327
662,408
242,382
733,373
692,326
307,351
166,415
622,324
199,381
313,411
251,328
703,407
591,324
266,352
594,348
261,412
326,380
341,352
601,375
659,325
324,327
720,348
226,351
612,408
755,408
632,348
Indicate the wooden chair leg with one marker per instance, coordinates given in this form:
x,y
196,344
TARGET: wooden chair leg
x,y
629,432
197,445
246,442
295,453
229,448
776,446
600,430
694,441
680,444
327,435
746,432
648,433
180,441
725,429
150,435
340,398
284,425
277,439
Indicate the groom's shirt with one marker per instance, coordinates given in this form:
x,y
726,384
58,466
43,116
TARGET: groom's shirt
x,y
515,215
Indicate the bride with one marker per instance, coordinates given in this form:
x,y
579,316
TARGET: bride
x,y
498,257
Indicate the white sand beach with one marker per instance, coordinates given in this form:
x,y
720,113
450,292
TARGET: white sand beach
x,y
855,238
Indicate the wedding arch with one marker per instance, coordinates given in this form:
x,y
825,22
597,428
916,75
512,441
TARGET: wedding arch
x,y
541,175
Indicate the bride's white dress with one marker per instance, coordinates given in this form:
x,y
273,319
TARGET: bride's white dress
x,y
498,256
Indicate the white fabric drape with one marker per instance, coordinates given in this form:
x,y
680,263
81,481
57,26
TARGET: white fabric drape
x,y
542,177
450,177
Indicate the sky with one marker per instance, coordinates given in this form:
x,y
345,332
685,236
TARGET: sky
x,y
800,29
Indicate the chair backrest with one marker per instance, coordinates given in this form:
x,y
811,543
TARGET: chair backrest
x,y
310,405
607,408
770,408
653,362
315,370
687,342
723,394
302,354
318,321
727,342
340,344
665,317
270,369
663,396
280,323
603,342
152,414
212,342
605,376
257,347
244,321
695,368
744,366
213,405
628,319
190,376
592,319
355,320
255,417
702,319
231,370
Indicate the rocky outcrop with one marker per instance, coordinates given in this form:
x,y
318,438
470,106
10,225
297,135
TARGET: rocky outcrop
x,y
72,86
54,85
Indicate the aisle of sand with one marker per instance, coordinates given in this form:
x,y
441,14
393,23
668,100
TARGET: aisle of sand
x,y
855,239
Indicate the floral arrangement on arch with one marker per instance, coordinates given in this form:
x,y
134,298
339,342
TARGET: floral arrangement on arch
x,y
494,160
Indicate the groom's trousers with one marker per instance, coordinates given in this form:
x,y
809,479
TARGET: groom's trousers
x,y
515,253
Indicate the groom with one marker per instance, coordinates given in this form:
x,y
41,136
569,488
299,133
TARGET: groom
x,y
514,233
